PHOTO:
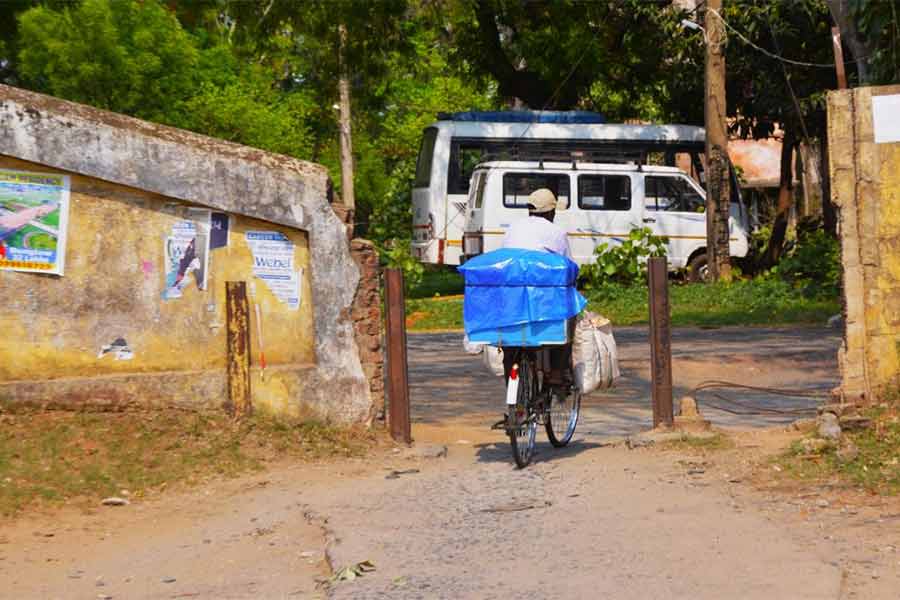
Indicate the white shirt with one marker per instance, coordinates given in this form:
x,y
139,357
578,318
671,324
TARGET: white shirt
x,y
537,233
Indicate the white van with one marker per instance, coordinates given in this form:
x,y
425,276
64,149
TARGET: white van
x,y
456,143
599,203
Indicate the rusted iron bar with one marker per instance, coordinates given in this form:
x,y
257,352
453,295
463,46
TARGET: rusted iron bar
x,y
237,311
397,368
839,58
660,342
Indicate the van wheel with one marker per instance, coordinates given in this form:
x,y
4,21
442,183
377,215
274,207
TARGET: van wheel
x,y
698,269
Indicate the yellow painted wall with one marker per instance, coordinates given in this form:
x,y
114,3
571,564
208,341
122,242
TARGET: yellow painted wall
x,y
53,327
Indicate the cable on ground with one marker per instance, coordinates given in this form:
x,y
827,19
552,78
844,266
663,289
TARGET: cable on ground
x,y
748,408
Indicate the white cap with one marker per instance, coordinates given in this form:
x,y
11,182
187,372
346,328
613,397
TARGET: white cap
x,y
541,201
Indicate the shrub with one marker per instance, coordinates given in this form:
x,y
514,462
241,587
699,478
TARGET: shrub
x,y
813,264
625,263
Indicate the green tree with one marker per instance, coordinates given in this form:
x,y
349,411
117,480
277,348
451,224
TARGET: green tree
x,y
122,55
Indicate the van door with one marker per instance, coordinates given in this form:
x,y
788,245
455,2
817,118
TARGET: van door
x,y
603,213
676,208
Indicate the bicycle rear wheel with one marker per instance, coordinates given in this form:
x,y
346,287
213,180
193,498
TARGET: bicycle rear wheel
x,y
562,416
521,422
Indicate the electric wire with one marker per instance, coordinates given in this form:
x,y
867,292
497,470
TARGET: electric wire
x,y
771,54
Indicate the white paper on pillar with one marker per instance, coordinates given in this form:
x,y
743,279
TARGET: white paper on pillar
x,y
886,118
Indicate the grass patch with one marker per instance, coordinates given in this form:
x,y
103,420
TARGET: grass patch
x,y
717,441
49,458
746,302
437,281
876,469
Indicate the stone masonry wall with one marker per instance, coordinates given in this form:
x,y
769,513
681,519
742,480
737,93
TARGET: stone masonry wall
x,y
865,186
366,316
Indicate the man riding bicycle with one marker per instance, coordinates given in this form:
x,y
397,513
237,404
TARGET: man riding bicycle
x,y
538,232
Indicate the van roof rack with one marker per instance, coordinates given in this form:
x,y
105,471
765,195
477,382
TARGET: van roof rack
x,y
542,155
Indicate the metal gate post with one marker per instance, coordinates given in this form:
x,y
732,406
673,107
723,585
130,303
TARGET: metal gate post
x,y
660,342
397,368
237,311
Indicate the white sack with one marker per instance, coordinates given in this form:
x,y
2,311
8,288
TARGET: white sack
x,y
472,347
594,353
493,360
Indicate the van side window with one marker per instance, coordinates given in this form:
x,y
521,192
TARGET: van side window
x,y
673,194
479,189
518,186
604,192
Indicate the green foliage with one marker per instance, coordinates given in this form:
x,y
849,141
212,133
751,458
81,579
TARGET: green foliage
x,y
121,55
398,256
877,23
249,111
625,263
813,264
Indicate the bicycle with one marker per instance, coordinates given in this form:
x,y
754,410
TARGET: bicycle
x,y
531,401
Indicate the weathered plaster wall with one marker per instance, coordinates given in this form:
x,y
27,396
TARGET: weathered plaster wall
x,y
112,288
865,186
183,166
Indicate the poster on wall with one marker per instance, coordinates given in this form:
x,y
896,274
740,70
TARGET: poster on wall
x,y
273,263
218,230
34,213
186,253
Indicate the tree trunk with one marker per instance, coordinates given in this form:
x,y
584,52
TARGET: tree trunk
x,y
785,201
718,180
840,11
829,211
346,140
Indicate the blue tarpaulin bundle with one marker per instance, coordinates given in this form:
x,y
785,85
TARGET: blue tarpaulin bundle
x,y
512,286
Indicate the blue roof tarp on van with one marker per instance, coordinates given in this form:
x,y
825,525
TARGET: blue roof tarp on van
x,y
512,286
560,117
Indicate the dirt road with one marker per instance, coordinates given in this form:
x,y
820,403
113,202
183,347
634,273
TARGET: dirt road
x,y
589,521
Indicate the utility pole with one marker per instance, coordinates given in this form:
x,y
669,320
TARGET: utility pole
x,y
344,118
718,188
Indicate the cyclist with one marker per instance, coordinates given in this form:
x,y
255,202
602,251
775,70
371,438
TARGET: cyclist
x,y
538,232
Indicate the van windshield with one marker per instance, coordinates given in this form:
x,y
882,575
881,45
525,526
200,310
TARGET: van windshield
x,y
426,156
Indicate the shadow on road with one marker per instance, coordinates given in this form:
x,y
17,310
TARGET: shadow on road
x,y
543,452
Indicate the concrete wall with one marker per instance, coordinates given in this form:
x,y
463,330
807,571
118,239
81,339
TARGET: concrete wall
x,y
126,170
865,186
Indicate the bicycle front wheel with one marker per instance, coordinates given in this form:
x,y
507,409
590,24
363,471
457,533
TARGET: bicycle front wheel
x,y
521,422
562,416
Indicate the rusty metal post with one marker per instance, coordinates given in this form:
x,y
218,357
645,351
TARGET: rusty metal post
x,y
838,58
397,368
237,311
660,342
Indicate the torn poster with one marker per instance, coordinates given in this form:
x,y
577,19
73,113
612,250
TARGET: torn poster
x,y
119,348
187,253
273,263
218,237
34,211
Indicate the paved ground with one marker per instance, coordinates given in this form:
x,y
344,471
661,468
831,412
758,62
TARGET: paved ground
x,y
446,383
589,521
